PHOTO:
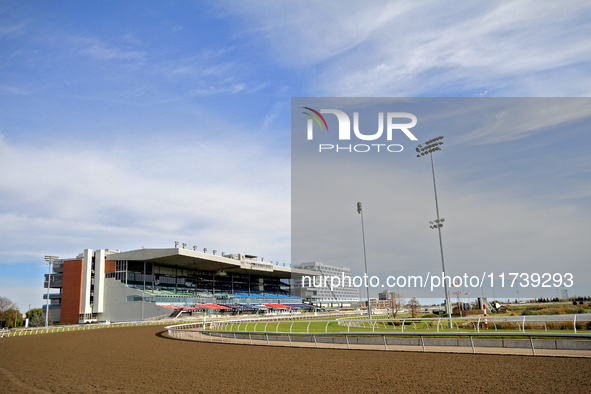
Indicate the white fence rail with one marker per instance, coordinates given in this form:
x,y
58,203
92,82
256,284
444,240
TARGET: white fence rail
x,y
371,340
17,332
532,322
212,320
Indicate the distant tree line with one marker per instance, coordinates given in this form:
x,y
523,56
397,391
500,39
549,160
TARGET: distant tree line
x,y
11,316
556,299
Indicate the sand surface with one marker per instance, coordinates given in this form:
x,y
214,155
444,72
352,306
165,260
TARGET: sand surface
x,y
144,359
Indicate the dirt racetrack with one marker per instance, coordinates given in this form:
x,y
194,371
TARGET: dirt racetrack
x,y
145,360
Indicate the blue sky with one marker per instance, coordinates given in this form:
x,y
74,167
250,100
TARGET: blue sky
x,y
136,124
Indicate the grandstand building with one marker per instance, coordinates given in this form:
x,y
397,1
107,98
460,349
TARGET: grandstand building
x,y
320,293
112,285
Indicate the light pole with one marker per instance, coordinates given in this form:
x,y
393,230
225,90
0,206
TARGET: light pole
x,y
423,149
49,260
360,211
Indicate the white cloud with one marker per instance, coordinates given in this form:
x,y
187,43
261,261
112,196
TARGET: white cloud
x,y
231,197
416,48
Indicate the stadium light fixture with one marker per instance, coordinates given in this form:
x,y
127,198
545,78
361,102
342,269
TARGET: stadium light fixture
x,y
49,260
360,211
428,148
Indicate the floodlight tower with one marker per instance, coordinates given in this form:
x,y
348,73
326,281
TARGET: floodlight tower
x,y
360,211
423,149
49,260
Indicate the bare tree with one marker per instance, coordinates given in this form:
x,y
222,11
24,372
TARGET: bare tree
x,y
415,307
397,305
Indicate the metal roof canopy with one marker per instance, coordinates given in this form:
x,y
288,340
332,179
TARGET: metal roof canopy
x,y
193,260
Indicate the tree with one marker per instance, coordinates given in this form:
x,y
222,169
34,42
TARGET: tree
x,y
7,312
36,317
397,305
415,307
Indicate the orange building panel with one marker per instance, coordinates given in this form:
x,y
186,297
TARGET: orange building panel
x,y
71,292
109,266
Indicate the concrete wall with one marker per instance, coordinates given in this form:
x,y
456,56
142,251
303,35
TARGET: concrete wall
x,y
478,342
118,309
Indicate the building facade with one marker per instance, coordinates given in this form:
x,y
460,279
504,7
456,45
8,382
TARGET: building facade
x,y
320,292
112,285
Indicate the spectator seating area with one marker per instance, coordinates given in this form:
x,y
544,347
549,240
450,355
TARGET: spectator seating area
x,y
170,292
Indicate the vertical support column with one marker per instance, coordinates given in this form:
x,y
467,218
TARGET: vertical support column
x,y
86,281
574,324
99,281
144,288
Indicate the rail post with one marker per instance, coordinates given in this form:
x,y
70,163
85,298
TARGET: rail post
x,y
575,323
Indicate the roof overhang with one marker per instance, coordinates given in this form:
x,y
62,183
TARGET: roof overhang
x,y
193,260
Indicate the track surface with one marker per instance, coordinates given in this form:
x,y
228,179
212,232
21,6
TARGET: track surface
x,y
144,359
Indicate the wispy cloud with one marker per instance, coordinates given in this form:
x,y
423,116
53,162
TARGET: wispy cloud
x,y
527,118
405,48
13,90
103,51
13,29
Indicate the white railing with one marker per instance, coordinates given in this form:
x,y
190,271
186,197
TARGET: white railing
x,y
533,322
14,332
196,320
196,332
